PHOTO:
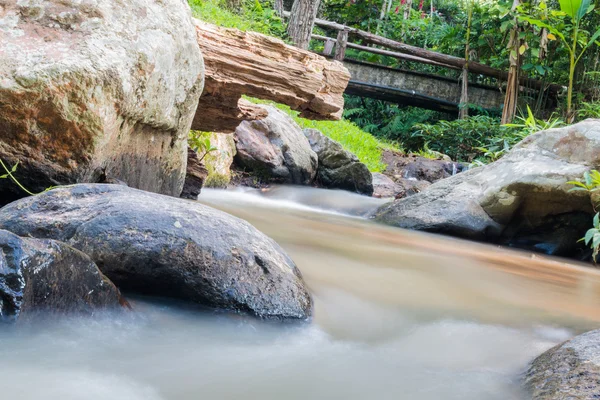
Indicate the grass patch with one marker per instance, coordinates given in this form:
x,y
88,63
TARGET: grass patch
x,y
252,16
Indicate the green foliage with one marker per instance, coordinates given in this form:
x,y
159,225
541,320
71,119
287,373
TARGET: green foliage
x,y
200,143
477,138
589,110
591,184
566,25
254,16
10,175
531,124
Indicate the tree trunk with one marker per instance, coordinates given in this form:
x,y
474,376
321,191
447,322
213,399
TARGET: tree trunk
x,y
301,21
512,84
234,5
407,8
278,6
463,111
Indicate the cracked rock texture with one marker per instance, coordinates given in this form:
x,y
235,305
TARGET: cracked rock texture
x,y
97,86
164,246
522,200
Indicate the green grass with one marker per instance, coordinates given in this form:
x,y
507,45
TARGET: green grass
x,y
252,17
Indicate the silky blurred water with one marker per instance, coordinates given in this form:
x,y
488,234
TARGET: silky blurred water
x,y
398,315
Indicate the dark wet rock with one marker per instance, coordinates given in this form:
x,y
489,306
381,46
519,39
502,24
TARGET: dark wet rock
x,y
568,371
385,187
403,166
160,245
47,275
195,177
338,168
520,200
274,149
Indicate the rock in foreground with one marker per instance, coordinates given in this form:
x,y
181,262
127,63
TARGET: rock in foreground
x,y
159,245
568,371
522,200
92,87
46,275
275,149
338,168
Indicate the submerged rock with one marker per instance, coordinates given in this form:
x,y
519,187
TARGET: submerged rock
x,y
46,275
159,245
338,168
275,149
568,371
91,86
515,199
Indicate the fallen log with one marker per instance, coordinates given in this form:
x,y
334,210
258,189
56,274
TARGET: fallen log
x,y
247,63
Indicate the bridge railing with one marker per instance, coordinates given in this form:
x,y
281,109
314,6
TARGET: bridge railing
x,y
337,47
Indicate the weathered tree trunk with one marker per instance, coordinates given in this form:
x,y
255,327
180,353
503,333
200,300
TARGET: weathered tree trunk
x,y
247,63
278,6
234,5
340,47
407,9
301,21
512,83
463,111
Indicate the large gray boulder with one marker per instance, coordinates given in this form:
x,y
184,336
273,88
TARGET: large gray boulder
x,y
523,199
338,168
50,276
275,149
568,371
159,245
93,87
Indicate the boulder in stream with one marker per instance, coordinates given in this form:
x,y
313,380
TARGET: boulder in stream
x,y
521,200
275,149
338,168
568,371
92,87
50,276
164,246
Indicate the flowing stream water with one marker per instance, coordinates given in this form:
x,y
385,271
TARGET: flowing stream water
x,y
398,315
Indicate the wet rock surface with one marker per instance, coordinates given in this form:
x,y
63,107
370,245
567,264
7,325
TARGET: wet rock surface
x,y
159,245
50,276
511,200
275,150
385,187
568,371
403,166
338,168
97,86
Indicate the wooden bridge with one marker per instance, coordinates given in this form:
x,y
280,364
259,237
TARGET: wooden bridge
x,y
425,90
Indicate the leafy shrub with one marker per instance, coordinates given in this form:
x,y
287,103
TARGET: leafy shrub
x,y
468,139
591,184
531,124
589,110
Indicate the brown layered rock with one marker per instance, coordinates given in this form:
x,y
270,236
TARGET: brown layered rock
x,y
97,87
248,63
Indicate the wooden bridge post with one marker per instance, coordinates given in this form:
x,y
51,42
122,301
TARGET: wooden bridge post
x,y
329,44
342,42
